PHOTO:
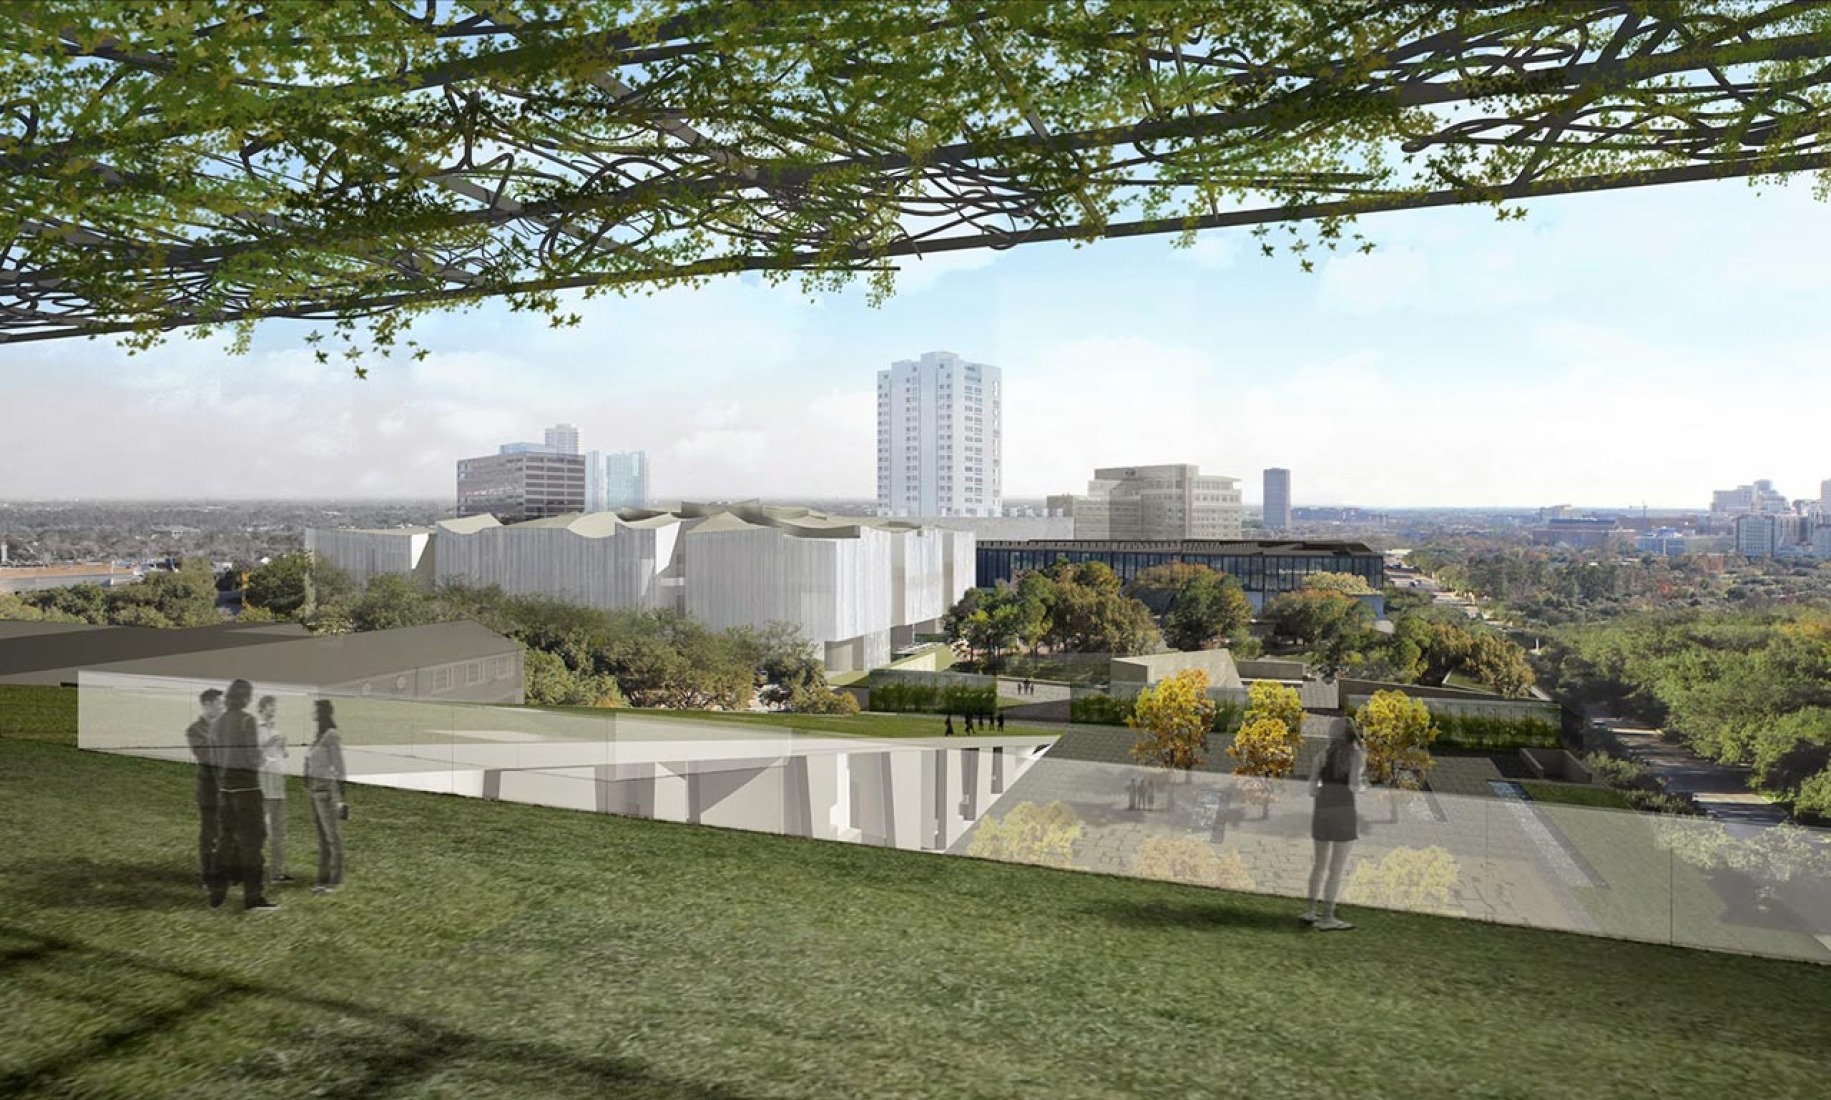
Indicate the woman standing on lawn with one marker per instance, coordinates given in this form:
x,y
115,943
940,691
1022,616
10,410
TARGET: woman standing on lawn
x,y
324,776
273,786
1334,825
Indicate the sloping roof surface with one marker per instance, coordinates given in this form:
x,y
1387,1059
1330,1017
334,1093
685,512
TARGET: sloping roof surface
x,y
333,659
52,652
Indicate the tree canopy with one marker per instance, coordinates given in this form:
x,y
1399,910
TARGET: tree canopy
x,y
174,163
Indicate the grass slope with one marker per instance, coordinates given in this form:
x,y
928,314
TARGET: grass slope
x,y
493,949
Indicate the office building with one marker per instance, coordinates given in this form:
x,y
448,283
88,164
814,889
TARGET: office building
x,y
1757,499
626,480
563,439
521,485
1277,499
594,482
1757,536
1581,532
1158,504
940,437
1264,569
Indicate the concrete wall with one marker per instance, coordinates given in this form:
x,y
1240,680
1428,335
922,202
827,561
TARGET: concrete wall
x,y
365,555
1217,663
834,589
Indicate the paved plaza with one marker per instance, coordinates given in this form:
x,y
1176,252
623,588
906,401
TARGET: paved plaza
x,y
1499,858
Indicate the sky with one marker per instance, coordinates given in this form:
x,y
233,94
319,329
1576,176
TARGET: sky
x,y
1619,349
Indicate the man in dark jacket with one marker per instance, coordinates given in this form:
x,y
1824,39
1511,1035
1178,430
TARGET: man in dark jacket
x,y
242,808
198,737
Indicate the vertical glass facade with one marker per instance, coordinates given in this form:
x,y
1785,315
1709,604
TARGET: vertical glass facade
x,y
1269,572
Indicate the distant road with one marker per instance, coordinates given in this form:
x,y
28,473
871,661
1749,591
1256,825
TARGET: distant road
x,y
19,579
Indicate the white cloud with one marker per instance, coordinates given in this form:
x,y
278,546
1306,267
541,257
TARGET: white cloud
x,y
916,274
1213,249
1373,282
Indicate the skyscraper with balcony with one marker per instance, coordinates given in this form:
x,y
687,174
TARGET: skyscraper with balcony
x,y
940,437
1277,499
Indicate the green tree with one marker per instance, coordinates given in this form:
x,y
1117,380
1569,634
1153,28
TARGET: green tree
x,y
287,584
1172,718
182,597
86,603
1501,665
548,682
1207,611
1156,586
392,601
1348,584
1334,627
303,153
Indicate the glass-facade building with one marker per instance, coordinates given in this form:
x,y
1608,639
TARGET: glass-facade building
x,y
1262,568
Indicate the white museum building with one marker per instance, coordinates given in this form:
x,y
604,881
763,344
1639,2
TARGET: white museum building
x,y
858,588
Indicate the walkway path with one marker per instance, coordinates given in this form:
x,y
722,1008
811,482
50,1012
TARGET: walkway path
x,y
1720,790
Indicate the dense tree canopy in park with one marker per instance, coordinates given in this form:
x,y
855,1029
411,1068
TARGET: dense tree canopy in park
x,y
171,164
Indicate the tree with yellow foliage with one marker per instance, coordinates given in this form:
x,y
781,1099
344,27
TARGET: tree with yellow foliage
x,y
1191,861
1043,835
1173,717
1397,731
1415,879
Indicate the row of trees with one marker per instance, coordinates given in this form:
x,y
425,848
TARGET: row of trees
x,y
1075,608
1084,608
185,596
576,655
1748,688
1173,717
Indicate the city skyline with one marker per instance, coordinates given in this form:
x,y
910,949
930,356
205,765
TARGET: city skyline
x,y
1463,363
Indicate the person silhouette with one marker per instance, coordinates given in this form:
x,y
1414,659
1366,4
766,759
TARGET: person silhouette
x,y
197,735
273,785
324,777
950,725
242,830
1334,823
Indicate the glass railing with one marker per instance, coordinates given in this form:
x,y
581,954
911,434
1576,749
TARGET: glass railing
x,y
1658,878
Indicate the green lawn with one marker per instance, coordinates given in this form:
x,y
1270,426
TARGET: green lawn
x,y
1576,794
499,950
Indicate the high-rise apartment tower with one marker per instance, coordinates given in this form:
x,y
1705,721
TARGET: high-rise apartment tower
x,y
1277,499
940,436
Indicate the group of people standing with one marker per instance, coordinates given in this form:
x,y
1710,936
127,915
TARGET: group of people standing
x,y
241,795
986,722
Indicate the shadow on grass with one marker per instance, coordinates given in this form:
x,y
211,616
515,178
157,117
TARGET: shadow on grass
x,y
1200,915
351,1049
107,884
